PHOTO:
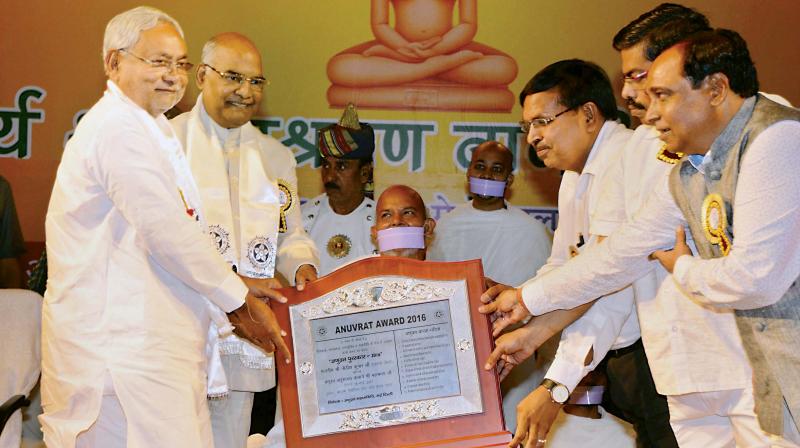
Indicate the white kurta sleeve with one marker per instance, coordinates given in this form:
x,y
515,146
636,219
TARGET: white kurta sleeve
x,y
612,264
139,180
295,247
597,330
765,256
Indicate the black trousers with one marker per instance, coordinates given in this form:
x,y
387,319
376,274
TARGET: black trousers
x,y
631,395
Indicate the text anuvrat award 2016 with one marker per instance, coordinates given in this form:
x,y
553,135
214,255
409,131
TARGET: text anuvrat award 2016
x,y
386,354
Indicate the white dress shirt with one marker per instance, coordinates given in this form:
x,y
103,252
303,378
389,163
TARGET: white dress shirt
x,y
610,323
129,273
671,325
764,259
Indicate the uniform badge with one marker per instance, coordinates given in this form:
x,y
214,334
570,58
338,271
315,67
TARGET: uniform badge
x,y
287,201
668,156
339,246
221,238
715,222
259,251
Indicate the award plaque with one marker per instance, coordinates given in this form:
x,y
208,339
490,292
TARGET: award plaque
x,y
387,352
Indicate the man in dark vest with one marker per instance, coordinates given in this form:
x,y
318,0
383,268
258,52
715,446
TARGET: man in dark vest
x,y
743,157
740,174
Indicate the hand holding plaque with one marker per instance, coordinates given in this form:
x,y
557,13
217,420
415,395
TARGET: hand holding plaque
x,y
255,320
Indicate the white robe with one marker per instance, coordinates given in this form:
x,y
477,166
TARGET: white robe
x,y
511,244
129,274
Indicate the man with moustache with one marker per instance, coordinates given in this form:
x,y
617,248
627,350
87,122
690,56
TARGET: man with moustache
x,y
339,220
670,324
248,186
487,227
715,373
704,101
569,112
133,279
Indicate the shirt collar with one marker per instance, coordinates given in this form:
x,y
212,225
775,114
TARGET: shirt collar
x,y
729,136
159,121
595,164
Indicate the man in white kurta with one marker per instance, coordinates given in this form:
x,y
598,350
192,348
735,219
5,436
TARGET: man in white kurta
x,y
714,408
248,187
565,107
134,281
340,219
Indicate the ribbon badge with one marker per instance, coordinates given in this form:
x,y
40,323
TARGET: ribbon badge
x,y
715,222
667,156
287,201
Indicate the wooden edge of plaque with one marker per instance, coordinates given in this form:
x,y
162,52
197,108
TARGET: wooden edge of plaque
x,y
485,429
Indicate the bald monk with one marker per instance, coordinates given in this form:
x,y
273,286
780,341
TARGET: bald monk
x,y
402,227
423,45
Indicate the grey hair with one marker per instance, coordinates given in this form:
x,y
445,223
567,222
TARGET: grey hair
x,y
208,51
124,29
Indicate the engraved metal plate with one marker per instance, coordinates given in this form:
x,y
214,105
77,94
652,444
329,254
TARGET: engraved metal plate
x,y
384,352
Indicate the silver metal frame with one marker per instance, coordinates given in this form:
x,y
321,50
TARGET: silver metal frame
x,y
360,296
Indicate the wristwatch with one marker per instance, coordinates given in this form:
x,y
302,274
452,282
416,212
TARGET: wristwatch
x,y
558,392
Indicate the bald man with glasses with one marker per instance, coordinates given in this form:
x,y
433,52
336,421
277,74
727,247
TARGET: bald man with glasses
x,y
247,183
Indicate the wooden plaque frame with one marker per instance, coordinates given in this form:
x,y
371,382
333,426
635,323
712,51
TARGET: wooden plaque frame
x,y
486,429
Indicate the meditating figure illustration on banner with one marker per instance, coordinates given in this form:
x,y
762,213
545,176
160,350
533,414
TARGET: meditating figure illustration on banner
x,y
423,62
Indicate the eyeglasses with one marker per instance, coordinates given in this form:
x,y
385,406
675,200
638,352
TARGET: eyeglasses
x,y
256,82
541,122
182,67
628,77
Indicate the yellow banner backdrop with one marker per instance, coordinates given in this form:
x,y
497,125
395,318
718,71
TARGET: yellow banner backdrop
x,y
427,119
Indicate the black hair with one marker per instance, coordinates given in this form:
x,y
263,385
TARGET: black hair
x,y
720,51
661,27
577,82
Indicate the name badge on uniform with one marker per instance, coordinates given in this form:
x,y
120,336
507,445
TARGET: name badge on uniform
x,y
715,221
